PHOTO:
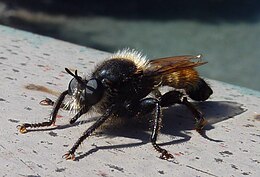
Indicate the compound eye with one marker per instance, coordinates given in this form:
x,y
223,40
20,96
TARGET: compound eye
x,y
94,91
92,85
73,85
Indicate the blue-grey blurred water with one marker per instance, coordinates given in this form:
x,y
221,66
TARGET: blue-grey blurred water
x,y
228,35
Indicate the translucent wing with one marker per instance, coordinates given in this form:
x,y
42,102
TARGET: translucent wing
x,y
168,65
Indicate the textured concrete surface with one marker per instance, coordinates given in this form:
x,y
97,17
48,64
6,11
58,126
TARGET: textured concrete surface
x,y
230,147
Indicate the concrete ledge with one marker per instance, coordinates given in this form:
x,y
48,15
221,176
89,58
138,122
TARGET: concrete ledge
x,y
231,149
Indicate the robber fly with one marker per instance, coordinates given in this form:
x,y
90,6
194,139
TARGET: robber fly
x,y
127,84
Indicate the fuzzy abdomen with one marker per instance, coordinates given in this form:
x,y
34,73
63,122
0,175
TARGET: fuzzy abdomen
x,y
189,80
181,79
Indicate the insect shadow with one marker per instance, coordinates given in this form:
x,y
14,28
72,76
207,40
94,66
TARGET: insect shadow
x,y
177,121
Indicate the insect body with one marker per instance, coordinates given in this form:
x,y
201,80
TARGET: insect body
x,y
120,86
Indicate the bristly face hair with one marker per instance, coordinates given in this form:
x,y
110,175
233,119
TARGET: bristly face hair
x,y
73,104
121,87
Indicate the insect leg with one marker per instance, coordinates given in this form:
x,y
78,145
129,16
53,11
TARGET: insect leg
x,y
70,154
80,113
200,120
49,102
173,97
145,106
23,128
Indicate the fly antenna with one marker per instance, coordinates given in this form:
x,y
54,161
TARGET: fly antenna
x,y
76,76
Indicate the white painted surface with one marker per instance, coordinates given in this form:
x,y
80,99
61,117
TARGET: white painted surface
x,y
25,58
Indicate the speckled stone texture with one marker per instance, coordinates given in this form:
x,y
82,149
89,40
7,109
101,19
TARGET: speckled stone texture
x,y
229,148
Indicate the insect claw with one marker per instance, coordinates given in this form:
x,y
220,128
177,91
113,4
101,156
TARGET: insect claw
x,y
46,102
200,124
22,129
166,155
69,156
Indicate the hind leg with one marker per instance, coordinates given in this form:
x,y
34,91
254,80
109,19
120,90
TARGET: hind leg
x,y
172,97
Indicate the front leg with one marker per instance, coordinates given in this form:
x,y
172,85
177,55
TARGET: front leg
x,y
50,102
70,154
80,113
57,105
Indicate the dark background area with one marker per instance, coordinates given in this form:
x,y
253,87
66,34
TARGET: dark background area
x,y
225,31
209,11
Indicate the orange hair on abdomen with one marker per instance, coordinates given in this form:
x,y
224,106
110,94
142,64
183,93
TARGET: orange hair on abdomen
x,y
181,79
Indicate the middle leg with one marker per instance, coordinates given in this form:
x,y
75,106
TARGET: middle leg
x,y
149,105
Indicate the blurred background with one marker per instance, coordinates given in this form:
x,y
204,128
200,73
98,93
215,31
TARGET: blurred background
x,y
226,32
